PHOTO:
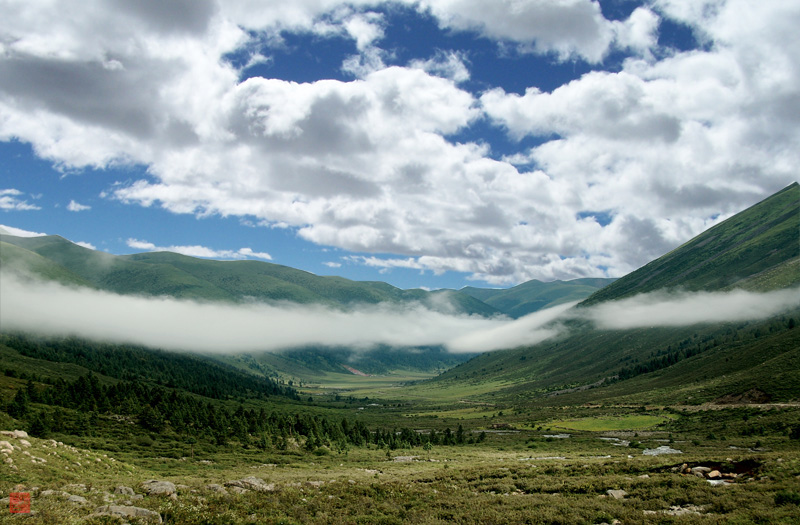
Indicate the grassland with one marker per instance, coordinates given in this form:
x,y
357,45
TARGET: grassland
x,y
522,475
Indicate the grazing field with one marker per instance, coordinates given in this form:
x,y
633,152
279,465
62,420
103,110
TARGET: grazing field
x,y
523,464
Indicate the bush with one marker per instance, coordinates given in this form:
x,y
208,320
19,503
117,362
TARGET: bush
x,y
787,497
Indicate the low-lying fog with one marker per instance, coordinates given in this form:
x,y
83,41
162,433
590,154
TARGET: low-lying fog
x,y
163,322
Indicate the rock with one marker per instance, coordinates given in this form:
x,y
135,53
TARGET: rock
x,y
158,488
126,511
51,493
644,476
76,499
617,494
127,491
719,483
702,470
714,474
252,483
315,484
214,487
14,433
5,445
658,451
25,443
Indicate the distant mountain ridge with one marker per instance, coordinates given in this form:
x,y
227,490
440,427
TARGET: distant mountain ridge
x,y
54,258
181,276
534,295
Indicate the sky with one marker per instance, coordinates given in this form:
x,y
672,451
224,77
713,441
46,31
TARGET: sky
x,y
428,143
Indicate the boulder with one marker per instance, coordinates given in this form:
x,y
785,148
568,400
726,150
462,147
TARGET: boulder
x,y
154,487
214,487
125,511
617,494
252,483
127,491
14,433
714,474
76,499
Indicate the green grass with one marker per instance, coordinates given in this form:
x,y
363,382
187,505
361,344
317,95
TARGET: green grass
x,y
605,424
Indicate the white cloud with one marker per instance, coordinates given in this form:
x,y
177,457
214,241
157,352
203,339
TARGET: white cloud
x,y
685,309
10,201
661,146
86,245
199,251
53,309
75,206
331,264
448,65
162,322
18,232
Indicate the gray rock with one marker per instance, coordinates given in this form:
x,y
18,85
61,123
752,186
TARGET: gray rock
x,y
124,490
252,483
617,494
126,511
214,487
76,499
158,488
658,451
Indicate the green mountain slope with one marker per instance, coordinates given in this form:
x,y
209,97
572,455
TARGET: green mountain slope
x,y
753,241
180,276
536,295
756,250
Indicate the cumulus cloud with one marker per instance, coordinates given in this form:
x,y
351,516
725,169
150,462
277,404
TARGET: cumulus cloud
x,y
666,147
10,200
199,251
75,206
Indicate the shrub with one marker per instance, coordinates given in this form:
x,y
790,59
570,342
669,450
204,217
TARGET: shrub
x,y
787,497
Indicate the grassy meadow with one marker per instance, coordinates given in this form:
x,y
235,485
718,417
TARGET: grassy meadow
x,y
533,464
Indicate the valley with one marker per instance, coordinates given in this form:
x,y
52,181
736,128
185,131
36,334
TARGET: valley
x,y
670,395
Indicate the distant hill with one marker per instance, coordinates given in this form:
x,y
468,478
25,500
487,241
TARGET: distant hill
x,y
54,258
757,250
165,273
536,295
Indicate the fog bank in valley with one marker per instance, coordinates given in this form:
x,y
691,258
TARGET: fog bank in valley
x,y
163,322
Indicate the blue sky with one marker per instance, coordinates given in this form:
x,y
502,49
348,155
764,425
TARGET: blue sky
x,y
432,143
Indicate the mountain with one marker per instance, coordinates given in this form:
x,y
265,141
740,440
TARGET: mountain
x,y
536,295
760,240
165,273
757,250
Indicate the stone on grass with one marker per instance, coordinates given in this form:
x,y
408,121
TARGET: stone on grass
x,y
252,483
122,489
617,494
126,511
158,488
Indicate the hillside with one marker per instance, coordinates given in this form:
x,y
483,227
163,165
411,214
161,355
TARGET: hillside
x,y
164,273
757,250
760,239
534,295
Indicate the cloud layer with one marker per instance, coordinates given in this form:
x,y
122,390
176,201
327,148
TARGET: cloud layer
x,y
163,322
664,147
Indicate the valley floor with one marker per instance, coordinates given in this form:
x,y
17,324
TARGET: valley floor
x,y
557,465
